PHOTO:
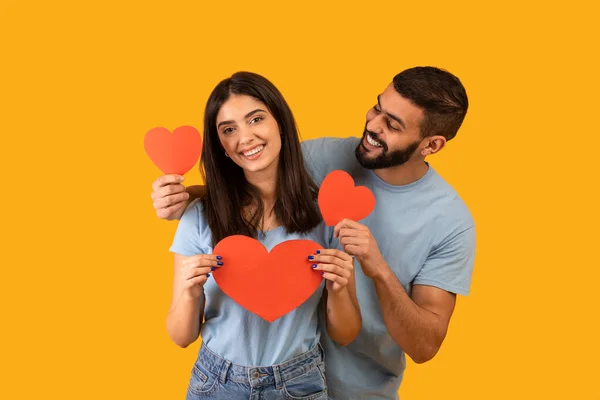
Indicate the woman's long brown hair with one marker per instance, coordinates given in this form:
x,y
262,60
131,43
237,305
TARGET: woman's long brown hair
x,y
228,191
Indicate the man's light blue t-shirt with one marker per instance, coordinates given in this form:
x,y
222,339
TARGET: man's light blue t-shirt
x,y
426,234
231,331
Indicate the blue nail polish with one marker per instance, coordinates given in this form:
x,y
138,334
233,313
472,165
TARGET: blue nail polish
x,y
318,251
213,268
323,273
219,258
310,257
219,262
208,275
314,265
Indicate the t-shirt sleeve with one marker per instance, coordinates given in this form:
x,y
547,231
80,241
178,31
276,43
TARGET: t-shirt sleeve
x,y
326,154
193,235
313,151
450,265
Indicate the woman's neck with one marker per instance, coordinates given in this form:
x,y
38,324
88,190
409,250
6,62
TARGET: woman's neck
x,y
266,183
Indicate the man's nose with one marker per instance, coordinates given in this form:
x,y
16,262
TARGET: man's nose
x,y
376,124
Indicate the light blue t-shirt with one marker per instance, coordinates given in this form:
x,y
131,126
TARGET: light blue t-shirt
x,y
231,331
425,233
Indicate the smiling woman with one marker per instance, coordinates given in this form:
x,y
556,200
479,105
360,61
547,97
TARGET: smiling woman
x,y
257,186
248,136
251,146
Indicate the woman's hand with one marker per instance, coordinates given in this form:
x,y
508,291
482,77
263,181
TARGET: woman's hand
x,y
337,268
195,271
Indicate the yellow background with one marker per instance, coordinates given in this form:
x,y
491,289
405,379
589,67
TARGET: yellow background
x,y
85,269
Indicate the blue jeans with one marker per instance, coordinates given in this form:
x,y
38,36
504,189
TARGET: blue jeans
x,y
302,377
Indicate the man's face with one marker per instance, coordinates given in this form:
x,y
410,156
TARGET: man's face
x,y
392,132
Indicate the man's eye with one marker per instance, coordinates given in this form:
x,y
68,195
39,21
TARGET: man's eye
x,y
390,126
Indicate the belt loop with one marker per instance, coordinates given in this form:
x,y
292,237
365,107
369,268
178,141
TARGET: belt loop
x,y
278,379
224,368
322,352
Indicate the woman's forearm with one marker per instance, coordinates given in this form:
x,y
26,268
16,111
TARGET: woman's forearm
x,y
343,317
185,319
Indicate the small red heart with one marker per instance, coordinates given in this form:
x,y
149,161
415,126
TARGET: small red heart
x,y
173,153
268,284
339,199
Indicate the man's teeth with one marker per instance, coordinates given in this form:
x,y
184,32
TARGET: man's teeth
x,y
372,142
253,151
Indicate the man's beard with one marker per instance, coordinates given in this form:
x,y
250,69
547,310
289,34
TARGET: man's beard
x,y
387,158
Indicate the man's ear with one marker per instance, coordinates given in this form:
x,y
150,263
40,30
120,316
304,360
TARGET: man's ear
x,y
433,144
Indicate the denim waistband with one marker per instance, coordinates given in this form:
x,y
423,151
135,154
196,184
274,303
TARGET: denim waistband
x,y
259,376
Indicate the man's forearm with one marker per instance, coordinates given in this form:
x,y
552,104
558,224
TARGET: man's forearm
x,y
195,192
416,330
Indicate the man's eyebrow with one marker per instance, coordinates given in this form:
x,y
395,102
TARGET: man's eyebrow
x,y
392,116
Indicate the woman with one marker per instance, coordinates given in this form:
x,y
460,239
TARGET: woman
x,y
257,186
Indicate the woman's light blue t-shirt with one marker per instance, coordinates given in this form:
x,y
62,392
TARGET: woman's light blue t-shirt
x,y
231,331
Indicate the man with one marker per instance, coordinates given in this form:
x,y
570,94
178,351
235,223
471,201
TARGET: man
x,y
416,249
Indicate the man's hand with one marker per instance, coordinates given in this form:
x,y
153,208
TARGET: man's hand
x,y
169,196
360,243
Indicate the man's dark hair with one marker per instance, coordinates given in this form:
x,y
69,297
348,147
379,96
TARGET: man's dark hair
x,y
440,94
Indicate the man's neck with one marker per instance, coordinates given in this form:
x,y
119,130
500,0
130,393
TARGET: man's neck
x,y
404,174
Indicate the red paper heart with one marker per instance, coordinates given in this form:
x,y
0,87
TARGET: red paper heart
x,y
173,153
268,284
339,198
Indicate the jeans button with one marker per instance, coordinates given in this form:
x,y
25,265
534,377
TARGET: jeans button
x,y
255,375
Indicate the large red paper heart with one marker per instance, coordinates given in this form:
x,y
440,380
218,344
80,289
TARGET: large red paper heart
x,y
173,153
339,199
268,284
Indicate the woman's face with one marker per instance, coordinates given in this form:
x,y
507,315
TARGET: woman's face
x,y
249,133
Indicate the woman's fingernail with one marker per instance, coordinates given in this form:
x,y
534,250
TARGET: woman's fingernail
x,y
314,265
219,258
213,268
208,275
219,262
323,273
310,257
318,251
